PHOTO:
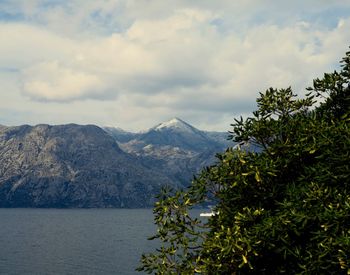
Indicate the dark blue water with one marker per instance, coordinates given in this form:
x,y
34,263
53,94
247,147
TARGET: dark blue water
x,y
74,241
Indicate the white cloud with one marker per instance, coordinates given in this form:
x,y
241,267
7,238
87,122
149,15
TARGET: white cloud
x,y
51,81
24,45
190,59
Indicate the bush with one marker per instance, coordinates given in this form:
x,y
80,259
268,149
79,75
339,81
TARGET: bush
x,y
282,209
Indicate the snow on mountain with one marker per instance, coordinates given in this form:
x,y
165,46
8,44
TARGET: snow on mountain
x,y
175,123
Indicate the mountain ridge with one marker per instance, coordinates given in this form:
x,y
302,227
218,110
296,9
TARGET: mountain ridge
x,y
75,165
173,125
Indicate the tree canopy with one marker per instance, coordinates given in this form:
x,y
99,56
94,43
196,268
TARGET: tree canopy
x,y
284,208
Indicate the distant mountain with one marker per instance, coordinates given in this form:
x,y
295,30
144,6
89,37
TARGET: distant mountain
x,y
174,148
87,166
175,133
178,133
220,138
119,134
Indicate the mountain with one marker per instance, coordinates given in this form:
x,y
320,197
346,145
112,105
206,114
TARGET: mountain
x,y
87,166
174,133
178,133
71,166
119,134
174,148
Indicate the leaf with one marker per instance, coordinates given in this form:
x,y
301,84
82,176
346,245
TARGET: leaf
x,y
242,161
257,177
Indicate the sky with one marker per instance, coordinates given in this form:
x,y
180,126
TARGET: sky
x,y
135,63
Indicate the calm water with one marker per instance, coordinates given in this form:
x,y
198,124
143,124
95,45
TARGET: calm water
x,y
74,241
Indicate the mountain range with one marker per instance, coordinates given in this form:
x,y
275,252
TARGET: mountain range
x,y
74,165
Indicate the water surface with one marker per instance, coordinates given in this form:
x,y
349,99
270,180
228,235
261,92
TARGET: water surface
x,y
74,241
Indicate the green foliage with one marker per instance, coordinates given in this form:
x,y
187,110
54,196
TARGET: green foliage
x,y
283,209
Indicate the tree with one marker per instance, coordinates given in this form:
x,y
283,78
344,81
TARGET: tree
x,y
282,209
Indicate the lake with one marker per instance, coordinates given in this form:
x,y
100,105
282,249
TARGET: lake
x,y
74,241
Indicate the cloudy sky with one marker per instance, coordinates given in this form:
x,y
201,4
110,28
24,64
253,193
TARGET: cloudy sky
x,y
135,63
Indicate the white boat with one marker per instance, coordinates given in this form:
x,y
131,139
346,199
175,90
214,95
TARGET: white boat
x,y
207,214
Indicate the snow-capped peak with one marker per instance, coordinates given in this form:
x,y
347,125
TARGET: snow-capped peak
x,y
175,123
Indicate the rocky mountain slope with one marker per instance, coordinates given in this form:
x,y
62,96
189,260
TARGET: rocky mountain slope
x,y
71,166
86,166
